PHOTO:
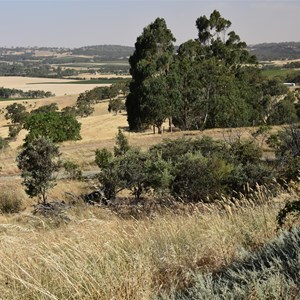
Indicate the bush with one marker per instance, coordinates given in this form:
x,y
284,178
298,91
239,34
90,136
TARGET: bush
x,y
73,170
10,203
199,178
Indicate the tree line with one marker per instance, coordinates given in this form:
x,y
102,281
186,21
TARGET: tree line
x,y
6,93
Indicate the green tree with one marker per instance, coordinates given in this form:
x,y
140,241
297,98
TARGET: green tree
x,y
46,108
39,163
84,104
72,169
14,130
122,144
54,125
115,105
284,111
287,150
149,66
16,112
207,77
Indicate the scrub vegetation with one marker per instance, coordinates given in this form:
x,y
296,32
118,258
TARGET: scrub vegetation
x,y
98,208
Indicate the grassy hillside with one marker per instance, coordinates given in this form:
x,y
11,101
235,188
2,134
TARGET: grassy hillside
x,y
156,249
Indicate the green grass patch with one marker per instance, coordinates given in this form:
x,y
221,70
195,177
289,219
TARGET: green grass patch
x,y
272,73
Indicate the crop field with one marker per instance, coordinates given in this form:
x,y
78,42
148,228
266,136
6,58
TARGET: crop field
x,y
59,87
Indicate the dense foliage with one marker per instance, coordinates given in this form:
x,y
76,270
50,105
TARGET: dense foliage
x,y
211,81
56,126
198,169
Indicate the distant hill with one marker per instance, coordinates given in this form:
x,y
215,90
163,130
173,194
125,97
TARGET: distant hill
x,y
276,51
105,52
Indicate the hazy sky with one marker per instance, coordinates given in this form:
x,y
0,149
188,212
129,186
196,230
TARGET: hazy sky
x,y
75,23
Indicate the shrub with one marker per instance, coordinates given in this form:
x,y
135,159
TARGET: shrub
x,y
10,202
14,130
73,170
199,178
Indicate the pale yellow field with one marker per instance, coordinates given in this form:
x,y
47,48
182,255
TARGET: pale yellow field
x,y
30,83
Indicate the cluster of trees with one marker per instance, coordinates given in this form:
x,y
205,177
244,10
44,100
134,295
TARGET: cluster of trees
x,y
115,93
189,170
6,93
105,52
200,169
34,69
47,121
208,82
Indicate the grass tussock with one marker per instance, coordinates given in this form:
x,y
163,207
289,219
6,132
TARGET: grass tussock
x,y
98,254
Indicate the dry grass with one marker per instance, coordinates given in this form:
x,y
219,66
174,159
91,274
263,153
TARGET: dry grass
x,y
98,255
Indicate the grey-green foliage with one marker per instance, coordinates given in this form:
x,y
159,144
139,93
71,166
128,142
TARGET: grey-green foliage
x,y
14,130
270,273
39,163
131,169
287,149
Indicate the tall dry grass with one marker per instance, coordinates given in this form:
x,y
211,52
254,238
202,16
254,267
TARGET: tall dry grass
x,y
98,254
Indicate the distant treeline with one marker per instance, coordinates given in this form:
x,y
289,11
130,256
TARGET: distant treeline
x,y
276,51
105,52
34,70
6,93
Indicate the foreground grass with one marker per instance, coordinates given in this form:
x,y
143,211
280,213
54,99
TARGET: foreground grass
x,y
103,254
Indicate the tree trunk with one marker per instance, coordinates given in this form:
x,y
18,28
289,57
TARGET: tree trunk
x,y
170,124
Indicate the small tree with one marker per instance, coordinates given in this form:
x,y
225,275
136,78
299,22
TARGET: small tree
x,y
116,105
38,162
54,125
122,145
16,112
14,130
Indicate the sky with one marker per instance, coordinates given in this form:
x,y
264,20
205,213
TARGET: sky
x,y
77,23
